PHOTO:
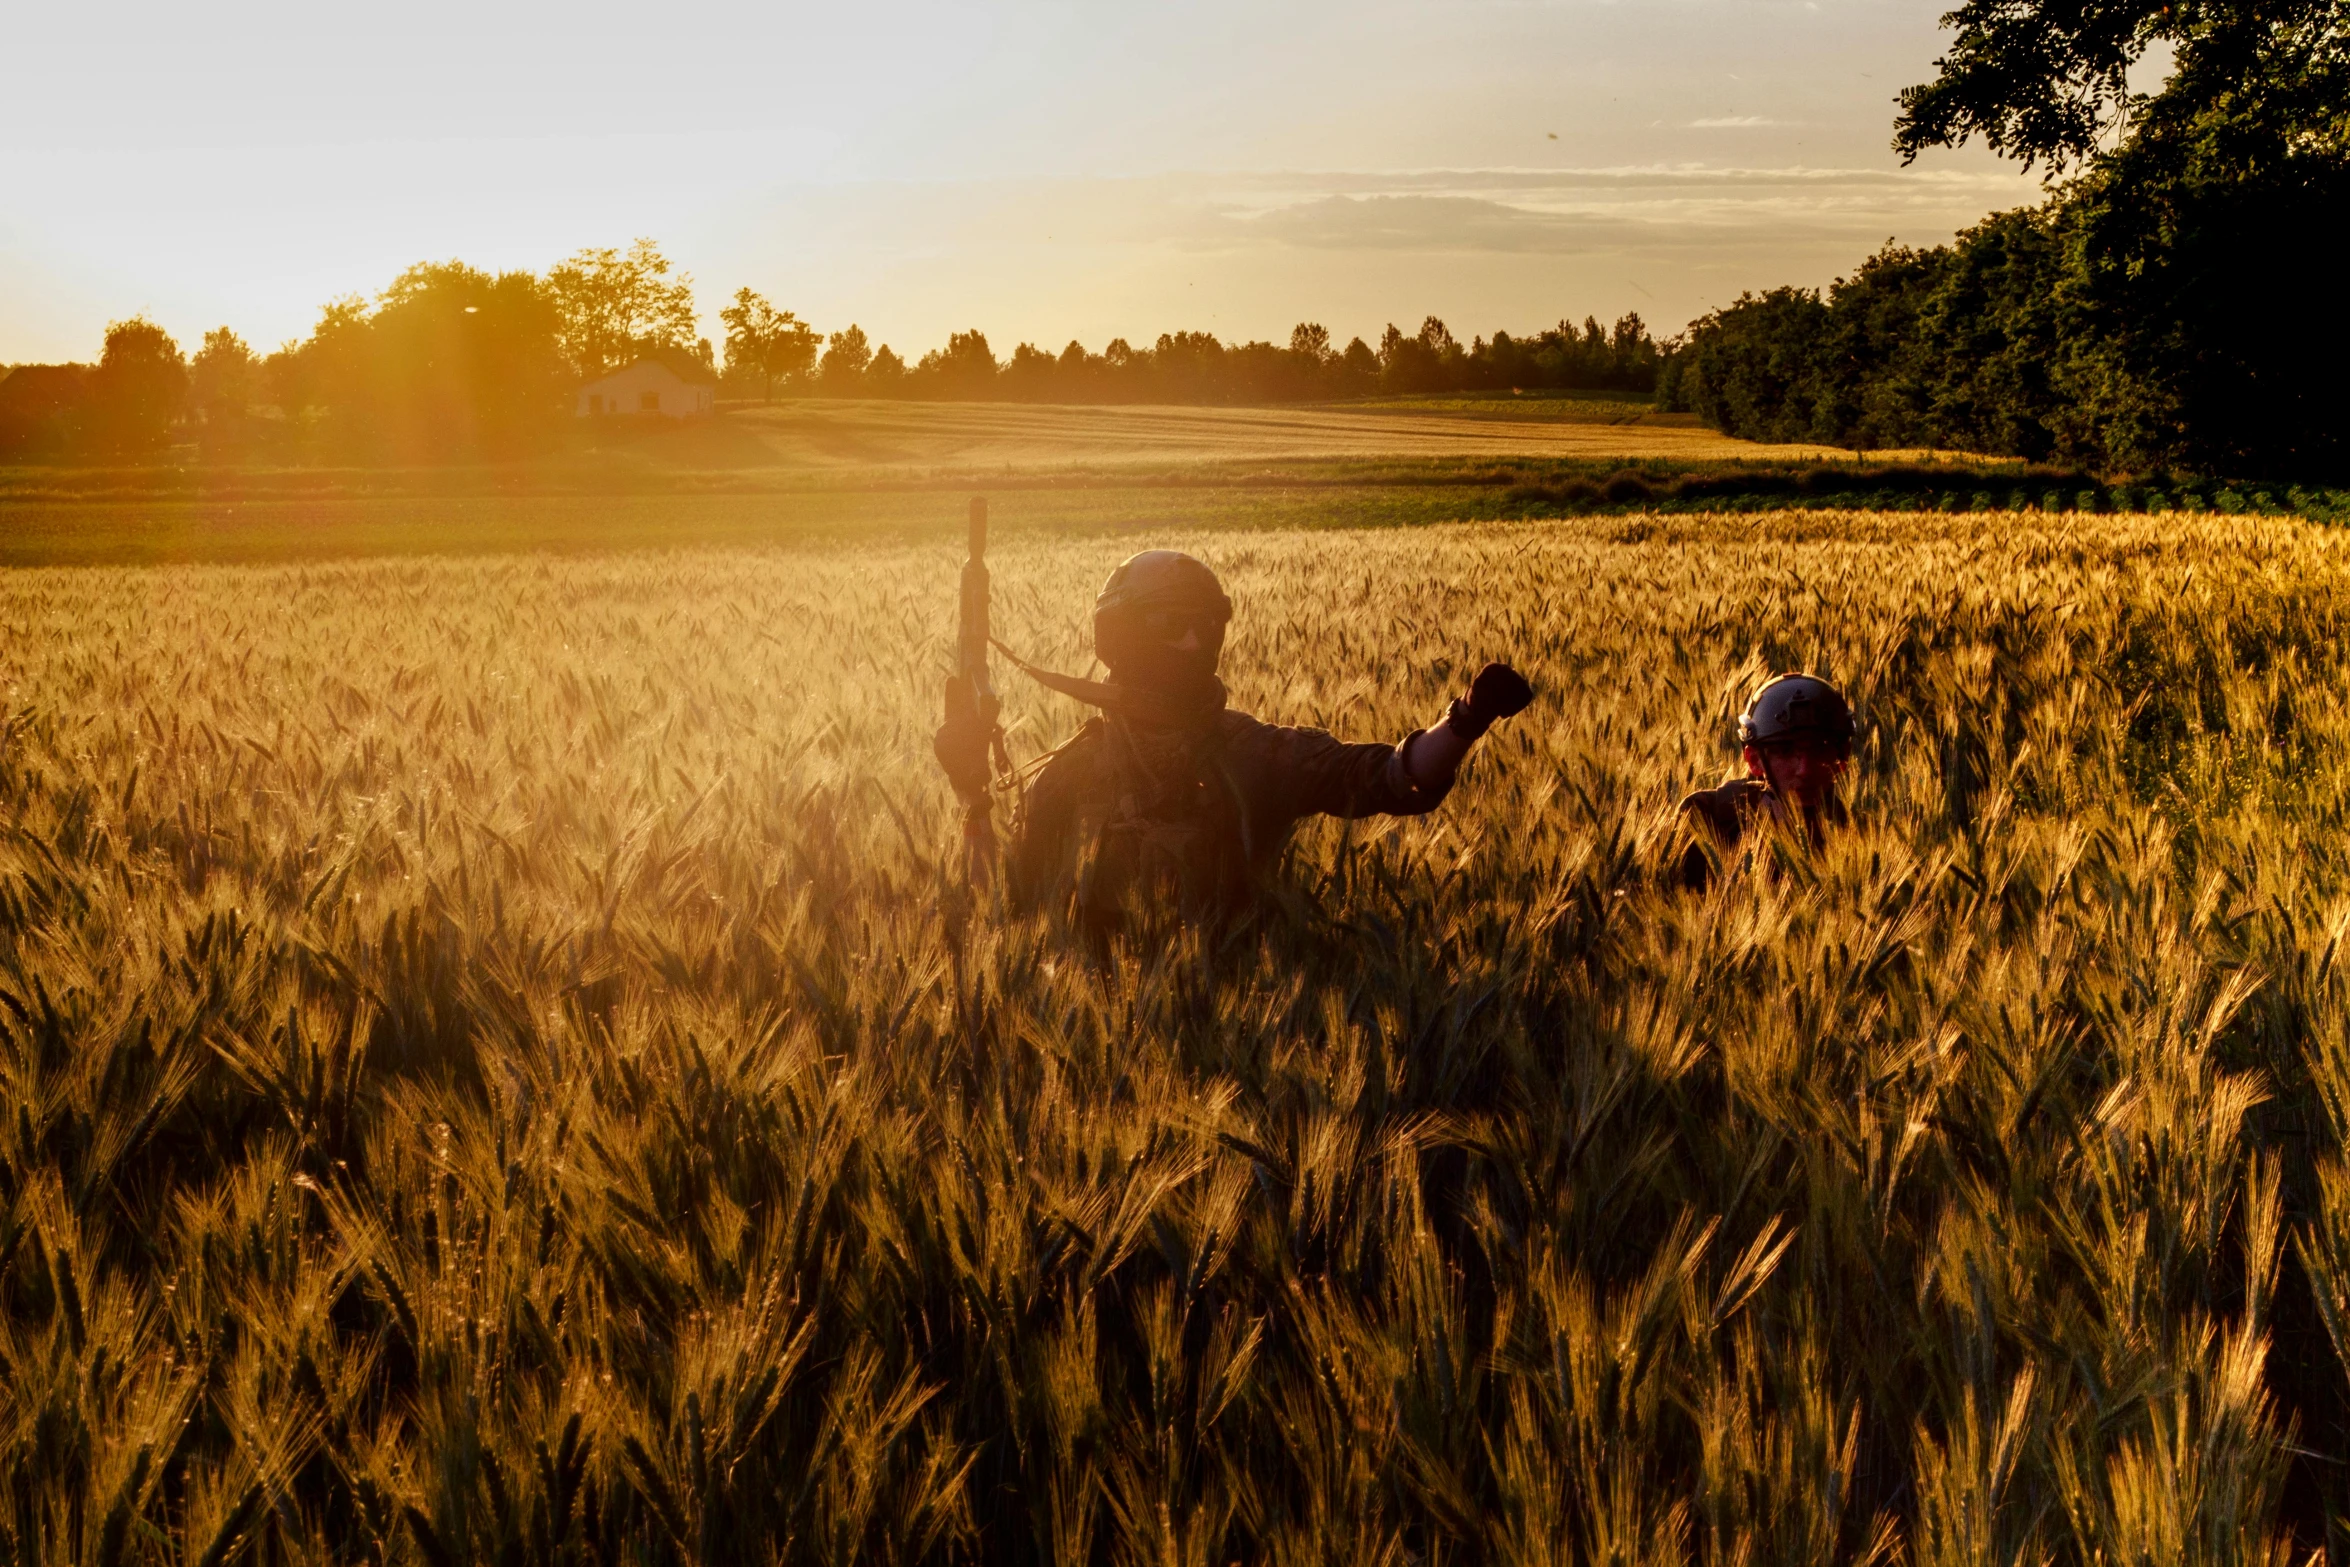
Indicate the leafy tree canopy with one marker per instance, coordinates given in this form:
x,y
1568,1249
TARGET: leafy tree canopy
x,y
848,356
138,388
769,344
614,305
2047,81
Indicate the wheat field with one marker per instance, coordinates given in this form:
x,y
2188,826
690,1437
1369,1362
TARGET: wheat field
x,y
496,1065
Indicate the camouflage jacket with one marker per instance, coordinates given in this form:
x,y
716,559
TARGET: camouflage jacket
x,y
1120,812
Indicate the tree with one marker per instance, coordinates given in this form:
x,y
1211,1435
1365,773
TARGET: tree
x,y
1632,353
766,344
613,305
2191,204
1074,376
886,376
2048,80
1310,340
1429,360
1762,370
846,357
966,367
285,379
321,370
1189,367
42,409
224,381
139,389
461,364
2207,313
448,363
1962,346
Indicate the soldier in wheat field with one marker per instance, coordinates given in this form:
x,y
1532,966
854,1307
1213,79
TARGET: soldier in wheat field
x,y
1171,797
1796,736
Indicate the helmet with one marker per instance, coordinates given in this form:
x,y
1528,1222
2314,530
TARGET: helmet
x,y
1148,602
1163,579
1797,707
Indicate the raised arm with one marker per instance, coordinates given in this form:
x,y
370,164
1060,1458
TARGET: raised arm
x,y
1313,773
1433,756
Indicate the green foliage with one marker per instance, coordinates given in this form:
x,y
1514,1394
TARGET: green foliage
x,y
2107,328
1760,370
2048,80
847,357
966,367
137,392
448,363
224,384
1198,367
41,410
886,373
2212,318
612,306
765,345
2173,306
484,1074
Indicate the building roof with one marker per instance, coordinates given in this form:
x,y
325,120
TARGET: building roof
x,y
676,361
26,385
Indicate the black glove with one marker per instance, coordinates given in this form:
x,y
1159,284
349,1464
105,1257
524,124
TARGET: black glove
x,y
961,742
1498,692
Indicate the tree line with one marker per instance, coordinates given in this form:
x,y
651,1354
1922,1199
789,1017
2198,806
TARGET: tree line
x,y
2173,304
1198,367
454,363
448,362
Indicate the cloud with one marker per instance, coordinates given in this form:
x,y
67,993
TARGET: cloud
x,y
1733,122
1413,223
1579,211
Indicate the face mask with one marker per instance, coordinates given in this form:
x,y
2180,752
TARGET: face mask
x,y
1148,650
1165,666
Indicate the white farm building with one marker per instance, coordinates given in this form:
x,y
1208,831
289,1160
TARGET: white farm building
x,y
672,386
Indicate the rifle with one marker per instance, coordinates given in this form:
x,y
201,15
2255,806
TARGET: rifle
x,y
978,688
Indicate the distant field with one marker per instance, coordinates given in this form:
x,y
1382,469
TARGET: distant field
x,y
1571,406
850,444
487,1075
868,469
973,437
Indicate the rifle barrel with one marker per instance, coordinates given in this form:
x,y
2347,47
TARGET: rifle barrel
x,y
971,663
973,626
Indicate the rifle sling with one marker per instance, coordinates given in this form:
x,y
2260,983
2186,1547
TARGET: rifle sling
x,y
1124,701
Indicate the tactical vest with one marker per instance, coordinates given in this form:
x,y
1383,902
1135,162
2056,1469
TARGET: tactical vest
x,y
1165,823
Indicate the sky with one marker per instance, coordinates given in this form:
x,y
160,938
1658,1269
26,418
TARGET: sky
x,y
1041,170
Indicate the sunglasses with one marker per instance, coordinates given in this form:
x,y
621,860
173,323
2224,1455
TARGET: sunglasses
x,y
1169,625
1805,745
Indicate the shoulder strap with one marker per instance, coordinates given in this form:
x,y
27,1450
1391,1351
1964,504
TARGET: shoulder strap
x,y
1125,701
